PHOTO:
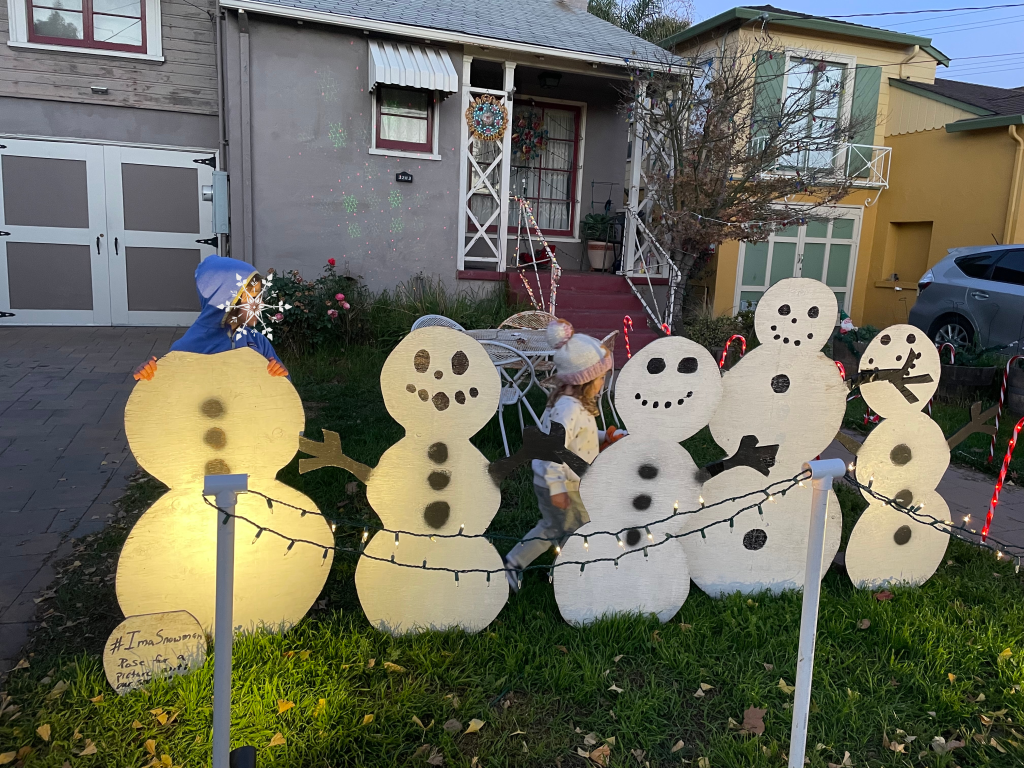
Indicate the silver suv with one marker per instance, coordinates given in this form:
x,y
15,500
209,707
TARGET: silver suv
x,y
975,292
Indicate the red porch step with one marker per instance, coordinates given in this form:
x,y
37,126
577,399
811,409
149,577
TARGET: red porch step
x,y
595,304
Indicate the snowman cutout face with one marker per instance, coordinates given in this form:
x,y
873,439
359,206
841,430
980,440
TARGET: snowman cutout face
x,y
440,380
906,350
798,314
233,419
669,389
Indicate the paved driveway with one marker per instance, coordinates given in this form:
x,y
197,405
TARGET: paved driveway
x,y
63,453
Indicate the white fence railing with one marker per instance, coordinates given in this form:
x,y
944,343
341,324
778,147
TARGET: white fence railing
x,y
864,165
644,261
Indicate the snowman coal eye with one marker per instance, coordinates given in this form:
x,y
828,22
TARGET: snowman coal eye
x,y
460,363
784,310
812,312
885,340
421,361
687,365
911,338
655,365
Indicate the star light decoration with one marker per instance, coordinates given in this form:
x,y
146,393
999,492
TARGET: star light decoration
x,y
255,309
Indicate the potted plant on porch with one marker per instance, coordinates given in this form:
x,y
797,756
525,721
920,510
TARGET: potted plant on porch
x,y
597,230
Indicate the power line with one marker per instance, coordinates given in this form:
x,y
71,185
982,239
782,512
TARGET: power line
x,y
928,10
949,29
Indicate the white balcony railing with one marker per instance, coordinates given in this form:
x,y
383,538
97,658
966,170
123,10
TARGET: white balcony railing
x,y
863,165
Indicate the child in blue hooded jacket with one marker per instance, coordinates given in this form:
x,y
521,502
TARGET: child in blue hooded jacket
x,y
221,315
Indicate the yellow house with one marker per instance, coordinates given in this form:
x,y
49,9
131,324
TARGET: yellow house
x,y
939,168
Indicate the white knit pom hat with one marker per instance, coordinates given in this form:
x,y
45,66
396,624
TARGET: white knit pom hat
x,y
578,358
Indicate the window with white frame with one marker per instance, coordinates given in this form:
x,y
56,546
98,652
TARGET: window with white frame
x,y
128,28
816,91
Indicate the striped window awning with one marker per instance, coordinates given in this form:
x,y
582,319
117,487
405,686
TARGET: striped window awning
x,y
413,66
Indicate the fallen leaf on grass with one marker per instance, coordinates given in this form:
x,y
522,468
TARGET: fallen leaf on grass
x,y
978,700
951,676
436,758
700,692
590,740
882,596
7,757
23,664
618,658
893,745
562,648
320,704
24,752
151,746
615,689
453,726
88,749
136,724
277,741
283,705
639,755
785,687
610,740
96,699
370,663
863,623
768,666
58,689
753,721
703,762
676,747
352,488
942,746
367,719
526,749
418,722
474,762
1004,655
44,731
392,667
602,755
657,636
474,726
420,750
997,745
685,627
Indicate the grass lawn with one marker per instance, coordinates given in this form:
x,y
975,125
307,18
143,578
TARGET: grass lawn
x,y
925,664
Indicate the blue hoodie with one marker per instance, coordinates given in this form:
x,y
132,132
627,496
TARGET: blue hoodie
x,y
217,280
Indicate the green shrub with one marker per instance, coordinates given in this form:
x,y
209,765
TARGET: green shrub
x,y
318,317
713,332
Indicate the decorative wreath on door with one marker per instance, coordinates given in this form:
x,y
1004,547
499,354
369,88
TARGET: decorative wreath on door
x,y
487,118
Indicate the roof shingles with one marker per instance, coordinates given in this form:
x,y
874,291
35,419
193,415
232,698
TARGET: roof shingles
x,y
998,101
547,23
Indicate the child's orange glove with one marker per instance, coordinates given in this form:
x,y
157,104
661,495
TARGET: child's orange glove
x,y
613,435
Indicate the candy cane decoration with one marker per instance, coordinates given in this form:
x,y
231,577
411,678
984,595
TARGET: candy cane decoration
x,y
1002,399
842,370
627,321
952,361
556,270
870,417
725,351
1002,476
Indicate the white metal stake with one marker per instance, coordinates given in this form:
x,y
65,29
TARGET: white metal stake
x,y
822,473
224,489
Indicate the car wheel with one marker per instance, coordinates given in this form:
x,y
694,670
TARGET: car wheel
x,y
953,330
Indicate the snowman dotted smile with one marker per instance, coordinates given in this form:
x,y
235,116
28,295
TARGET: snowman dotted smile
x,y
657,365
440,400
781,328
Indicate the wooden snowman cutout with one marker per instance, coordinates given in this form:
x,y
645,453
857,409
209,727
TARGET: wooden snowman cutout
x,y
903,458
664,394
442,387
219,414
783,399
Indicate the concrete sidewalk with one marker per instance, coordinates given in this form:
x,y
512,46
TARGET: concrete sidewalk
x,y
63,454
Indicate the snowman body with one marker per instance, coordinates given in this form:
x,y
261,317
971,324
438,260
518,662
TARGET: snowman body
x,y
903,458
785,393
664,394
434,484
220,414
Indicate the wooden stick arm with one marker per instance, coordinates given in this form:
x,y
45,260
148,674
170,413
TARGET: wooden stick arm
x,y
329,454
848,442
537,445
748,454
977,424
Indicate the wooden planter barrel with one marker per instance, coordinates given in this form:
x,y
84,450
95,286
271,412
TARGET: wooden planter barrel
x,y
960,382
1015,391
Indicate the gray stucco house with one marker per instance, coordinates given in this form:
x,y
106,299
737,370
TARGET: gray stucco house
x,y
341,126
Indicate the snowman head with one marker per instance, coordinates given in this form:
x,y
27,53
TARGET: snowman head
x,y
911,389
796,313
216,414
670,388
440,380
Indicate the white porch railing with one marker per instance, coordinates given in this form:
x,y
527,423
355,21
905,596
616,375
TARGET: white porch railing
x,y
643,262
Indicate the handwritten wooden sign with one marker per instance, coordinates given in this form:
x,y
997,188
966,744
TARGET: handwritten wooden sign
x,y
153,645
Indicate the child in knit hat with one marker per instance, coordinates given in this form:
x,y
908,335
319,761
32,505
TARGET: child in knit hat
x,y
581,364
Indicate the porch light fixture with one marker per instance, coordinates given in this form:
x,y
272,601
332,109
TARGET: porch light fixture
x,y
550,79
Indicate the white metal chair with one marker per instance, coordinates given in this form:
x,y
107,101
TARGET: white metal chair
x,y
529,319
609,383
517,378
436,320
